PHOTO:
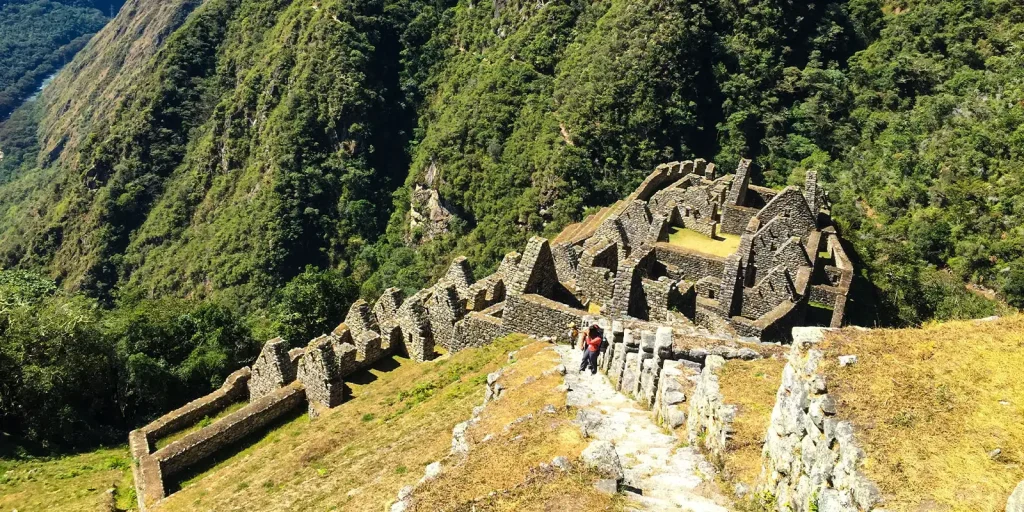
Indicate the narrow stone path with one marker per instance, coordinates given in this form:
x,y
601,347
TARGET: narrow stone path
x,y
666,474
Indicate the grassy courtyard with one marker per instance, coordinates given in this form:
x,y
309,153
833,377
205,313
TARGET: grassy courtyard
x,y
722,245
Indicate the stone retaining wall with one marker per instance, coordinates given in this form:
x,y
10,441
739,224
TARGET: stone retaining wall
x,y
197,446
811,459
539,316
709,420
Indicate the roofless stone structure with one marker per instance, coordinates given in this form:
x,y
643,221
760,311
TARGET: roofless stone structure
x,y
624,267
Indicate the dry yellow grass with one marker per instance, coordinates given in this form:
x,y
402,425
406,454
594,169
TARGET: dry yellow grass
x,y
723,245
503,473
751,386
930,404
73,483
358,455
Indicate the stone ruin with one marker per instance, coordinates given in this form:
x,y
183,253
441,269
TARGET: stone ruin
x,y
659,302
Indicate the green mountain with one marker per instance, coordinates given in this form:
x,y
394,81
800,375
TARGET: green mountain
x,y
274,159
40,36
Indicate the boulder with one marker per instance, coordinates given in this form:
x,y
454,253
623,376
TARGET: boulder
x,y
1016,501
601,456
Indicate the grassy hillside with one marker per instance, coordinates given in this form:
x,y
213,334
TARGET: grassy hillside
x,y
76,483
931,406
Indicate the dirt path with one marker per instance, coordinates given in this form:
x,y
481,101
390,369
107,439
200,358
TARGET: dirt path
x,y
665,474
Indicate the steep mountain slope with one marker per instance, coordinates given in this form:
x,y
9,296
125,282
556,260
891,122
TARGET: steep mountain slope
x,y
236,149
38,37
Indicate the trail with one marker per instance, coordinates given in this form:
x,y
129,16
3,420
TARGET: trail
x,y
666,474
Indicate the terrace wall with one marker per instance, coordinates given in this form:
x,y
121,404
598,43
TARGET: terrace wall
x,y
811,459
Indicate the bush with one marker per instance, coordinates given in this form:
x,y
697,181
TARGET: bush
x,y
313,303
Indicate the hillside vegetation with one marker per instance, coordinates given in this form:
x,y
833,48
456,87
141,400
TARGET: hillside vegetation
x,y
259,158
40,36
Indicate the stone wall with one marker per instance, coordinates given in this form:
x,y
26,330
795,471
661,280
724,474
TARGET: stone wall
x,y
767,241
149,483
566,262
811,459
536,270
658,294
790,203
539,316
197,446
445,309
775,325
321,374
757,196
635,220
689,265
233,390
627,297
597,271
414,321
365,332
273,369
674,387
735,218
738,190
385,311
477,329
709,419
773,289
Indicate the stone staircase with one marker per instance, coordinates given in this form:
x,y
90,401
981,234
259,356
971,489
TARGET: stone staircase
x,y
658,473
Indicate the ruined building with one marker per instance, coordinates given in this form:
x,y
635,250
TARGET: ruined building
x,y
711,263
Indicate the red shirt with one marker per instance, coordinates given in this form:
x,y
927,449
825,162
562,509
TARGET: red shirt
x,y
592,344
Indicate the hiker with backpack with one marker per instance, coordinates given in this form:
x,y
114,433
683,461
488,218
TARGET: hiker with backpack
x,y
591,348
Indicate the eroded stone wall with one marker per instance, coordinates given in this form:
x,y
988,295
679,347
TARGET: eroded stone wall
x,y
709,418
811,459
272,370
539,316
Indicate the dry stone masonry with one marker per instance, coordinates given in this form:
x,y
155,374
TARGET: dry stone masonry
x,y
709,423
667,309
811,460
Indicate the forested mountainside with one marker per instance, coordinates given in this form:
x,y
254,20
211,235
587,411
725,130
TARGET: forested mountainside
x,y
208,173
37,37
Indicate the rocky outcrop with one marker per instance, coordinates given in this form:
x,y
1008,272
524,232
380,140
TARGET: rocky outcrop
x,y
811,459
428,216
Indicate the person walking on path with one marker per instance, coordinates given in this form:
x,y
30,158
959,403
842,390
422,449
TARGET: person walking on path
x,y
591,347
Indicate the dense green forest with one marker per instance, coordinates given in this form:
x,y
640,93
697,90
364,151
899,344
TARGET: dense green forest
x,y
38,37
258,174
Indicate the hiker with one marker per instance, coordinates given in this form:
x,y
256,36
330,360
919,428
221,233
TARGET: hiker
x,y
591,347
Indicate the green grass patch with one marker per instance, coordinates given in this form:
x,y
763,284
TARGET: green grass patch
x,y
722,245
199,425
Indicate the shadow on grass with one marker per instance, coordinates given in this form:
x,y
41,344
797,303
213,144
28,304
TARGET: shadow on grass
x,y
195,472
